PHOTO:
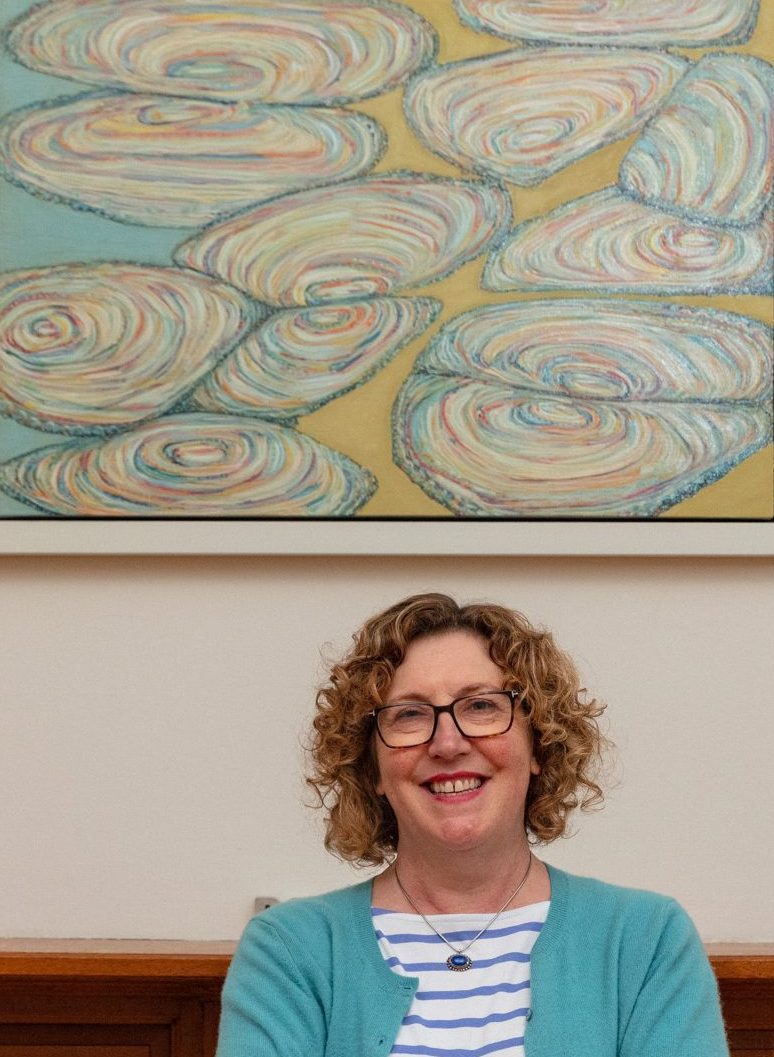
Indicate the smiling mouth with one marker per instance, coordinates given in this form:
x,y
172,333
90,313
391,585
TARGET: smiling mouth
x,y
458,785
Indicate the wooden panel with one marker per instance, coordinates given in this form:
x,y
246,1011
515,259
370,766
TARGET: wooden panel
x,y
748,1004
759,1043
749,1011
107,1016
96,1040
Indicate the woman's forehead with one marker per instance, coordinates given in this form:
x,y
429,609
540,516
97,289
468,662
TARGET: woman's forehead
x,y
450,662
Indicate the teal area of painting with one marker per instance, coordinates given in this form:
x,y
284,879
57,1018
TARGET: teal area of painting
x,y
34,232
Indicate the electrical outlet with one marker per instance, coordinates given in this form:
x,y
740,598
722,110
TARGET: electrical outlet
x,y
264,902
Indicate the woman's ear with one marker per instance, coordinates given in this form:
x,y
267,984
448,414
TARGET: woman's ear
x,y
534,766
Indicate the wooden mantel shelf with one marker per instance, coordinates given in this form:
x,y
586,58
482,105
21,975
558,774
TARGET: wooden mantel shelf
x,y
210,959
161,998
742,961
189,959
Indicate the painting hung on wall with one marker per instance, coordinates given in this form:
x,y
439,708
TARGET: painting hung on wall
x,y
480,259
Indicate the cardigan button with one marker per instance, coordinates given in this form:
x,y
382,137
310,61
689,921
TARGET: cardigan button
x,y
529,1014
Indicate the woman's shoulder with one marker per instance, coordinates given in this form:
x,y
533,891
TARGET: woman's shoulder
x,y
339,901
590,902
579,887
312,920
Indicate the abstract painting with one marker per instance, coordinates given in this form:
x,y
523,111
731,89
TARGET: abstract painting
x,y
475,259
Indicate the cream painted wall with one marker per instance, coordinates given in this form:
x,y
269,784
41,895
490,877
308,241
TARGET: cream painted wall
x,y
151,710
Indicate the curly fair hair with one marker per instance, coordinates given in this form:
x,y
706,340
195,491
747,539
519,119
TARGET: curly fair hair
x,y
568,743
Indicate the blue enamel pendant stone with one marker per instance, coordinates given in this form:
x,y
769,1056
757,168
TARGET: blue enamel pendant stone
x,y
459,963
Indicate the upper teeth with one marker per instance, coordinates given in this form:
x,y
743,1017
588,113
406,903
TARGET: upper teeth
x,y
459,785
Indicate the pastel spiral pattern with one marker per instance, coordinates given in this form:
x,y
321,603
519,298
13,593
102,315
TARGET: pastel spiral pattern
x,y
93,348
167,162
709,153
523,115
606,409
608,241
685,23
494,451
296,51
192,466
357,239
299,359
608,350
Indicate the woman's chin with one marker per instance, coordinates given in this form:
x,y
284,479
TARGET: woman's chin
x,y
458,835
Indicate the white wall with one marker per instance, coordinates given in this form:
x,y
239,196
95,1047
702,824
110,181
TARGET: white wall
x,y
151,709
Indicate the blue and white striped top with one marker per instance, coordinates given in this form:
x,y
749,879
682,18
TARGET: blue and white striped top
x,y
470,1014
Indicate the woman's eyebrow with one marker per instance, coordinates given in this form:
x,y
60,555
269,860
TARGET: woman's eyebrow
x,y
420,698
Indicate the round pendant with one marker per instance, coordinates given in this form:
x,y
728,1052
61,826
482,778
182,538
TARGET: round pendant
x,y
459,963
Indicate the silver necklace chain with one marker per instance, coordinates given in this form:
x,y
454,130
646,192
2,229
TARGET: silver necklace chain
x,y
440,935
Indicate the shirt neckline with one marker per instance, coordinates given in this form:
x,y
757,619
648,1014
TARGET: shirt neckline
x,y
392,981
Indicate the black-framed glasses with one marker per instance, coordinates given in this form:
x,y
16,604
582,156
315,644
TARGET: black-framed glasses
x,y
482,715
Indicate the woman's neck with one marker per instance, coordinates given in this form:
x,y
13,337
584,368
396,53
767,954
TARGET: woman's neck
x,y
462,881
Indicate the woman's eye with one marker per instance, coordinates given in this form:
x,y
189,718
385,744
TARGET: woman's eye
x,y
409,712
480,704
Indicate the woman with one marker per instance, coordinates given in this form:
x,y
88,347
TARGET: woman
x,y
447,742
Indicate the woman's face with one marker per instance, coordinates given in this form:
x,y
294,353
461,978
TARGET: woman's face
x,y
438,669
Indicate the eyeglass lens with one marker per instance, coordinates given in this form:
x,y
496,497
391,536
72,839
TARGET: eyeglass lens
x,y
477,716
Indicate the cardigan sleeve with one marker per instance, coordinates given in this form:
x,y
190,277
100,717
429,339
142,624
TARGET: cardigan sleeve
x,y
269,1005
677,1010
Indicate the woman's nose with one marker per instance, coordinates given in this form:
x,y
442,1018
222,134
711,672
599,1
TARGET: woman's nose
x,y
447,740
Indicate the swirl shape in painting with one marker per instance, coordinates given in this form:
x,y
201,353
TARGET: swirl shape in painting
x,y
299,359
298,51
192,466
93,348
659,23
167,162
709,153
598,409
523,115
357,239
608,241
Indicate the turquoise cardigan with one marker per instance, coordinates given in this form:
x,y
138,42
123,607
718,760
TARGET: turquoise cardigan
x,y
616,972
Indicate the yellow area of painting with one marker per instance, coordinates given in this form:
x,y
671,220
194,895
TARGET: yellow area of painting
x,y
359,423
